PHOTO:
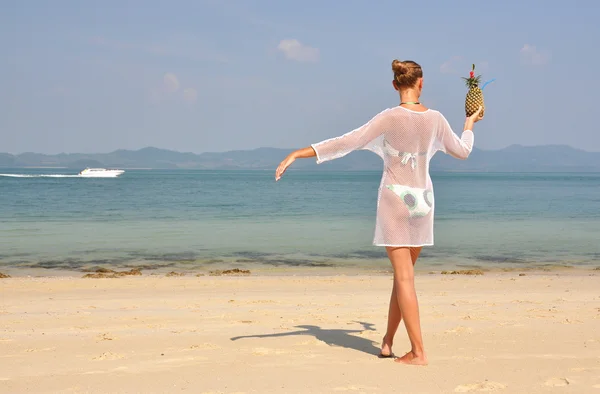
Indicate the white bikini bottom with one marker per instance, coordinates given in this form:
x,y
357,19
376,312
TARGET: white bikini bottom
x,y
418,201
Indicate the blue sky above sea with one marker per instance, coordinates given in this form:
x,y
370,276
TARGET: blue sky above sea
x,y
223,75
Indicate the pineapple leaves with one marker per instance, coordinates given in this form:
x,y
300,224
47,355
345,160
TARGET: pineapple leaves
x,y
472,81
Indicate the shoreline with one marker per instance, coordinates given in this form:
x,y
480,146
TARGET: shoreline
x,y
239,270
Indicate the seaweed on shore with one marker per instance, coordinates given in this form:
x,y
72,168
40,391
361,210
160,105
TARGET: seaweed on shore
x,y
2,276
463,272
173,273
235,271
108,273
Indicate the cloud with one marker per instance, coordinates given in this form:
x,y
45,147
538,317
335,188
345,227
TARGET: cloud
x,y
170,83
294,50
532,55
169,89
190,95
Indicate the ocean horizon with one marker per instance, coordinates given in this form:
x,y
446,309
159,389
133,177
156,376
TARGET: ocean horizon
x,y
53,222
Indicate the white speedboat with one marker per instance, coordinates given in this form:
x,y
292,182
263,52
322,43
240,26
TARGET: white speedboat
x,y
100,173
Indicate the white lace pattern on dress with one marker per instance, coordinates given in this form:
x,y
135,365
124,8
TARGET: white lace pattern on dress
x,y
406,140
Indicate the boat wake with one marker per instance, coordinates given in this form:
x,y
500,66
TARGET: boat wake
x,y
41,176
87,173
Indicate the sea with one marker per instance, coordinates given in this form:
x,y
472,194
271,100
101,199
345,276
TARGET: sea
x,y
53,222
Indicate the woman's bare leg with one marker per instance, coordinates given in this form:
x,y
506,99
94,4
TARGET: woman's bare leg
x,y
394,315
394,318
404,284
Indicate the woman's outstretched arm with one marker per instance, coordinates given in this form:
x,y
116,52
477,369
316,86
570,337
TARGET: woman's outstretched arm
x,y
337,147
303,153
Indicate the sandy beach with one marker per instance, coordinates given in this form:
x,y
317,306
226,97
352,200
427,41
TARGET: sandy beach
x,y
498,332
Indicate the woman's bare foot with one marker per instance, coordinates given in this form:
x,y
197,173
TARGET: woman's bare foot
x,y
412,359
386,348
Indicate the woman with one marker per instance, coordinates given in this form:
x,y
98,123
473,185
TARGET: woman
x,y
406,137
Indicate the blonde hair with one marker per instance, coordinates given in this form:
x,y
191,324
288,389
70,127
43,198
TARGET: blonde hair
x,y
406,73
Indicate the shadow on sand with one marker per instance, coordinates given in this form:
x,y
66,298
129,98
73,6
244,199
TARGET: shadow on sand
x,y
332,337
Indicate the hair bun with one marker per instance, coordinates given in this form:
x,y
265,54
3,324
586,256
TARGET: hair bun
x,y
399,68
406,73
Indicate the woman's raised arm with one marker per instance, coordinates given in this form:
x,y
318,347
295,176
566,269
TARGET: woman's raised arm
x,y
448,142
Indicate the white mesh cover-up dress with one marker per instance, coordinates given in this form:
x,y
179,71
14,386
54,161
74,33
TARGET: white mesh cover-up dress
x,y
406,140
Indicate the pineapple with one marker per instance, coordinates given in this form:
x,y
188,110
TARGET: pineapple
x,y
474,97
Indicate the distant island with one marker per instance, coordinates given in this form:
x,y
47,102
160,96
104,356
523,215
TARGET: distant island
x,y
515,158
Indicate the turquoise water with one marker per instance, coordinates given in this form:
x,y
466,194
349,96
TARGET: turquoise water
x,y
207,219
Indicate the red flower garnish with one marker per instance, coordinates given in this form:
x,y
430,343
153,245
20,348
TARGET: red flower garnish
x,y
472,74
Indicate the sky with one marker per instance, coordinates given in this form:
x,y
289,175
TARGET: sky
x,y
209,75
